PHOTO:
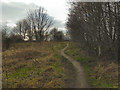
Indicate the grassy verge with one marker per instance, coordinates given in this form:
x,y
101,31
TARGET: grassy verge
x,y
70,73
67,67
102,75
33,65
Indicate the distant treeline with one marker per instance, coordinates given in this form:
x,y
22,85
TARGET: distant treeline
x,y
96,26
37,26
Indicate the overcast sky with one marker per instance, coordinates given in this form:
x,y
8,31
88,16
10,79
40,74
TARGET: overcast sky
x,y
14,10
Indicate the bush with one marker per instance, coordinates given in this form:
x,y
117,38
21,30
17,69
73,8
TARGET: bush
x,y
6,41
15,38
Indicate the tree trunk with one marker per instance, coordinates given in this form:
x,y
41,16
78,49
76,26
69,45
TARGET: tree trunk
x,y
99,50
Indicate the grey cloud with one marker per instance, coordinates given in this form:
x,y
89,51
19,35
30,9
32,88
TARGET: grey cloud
x,y
14,11
59,24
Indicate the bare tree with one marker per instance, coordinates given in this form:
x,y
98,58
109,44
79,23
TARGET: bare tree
x,y
95,26
40,22
37,24
22,28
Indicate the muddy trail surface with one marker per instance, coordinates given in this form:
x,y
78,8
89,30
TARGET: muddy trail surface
x,y
81,80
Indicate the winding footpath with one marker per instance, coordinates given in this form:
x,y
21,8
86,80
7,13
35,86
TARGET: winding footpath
x,y
81,81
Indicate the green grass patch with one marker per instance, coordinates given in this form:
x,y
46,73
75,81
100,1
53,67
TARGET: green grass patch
x,y
20,73
58,68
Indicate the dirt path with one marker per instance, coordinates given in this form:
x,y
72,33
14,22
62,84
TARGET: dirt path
x,y
81,81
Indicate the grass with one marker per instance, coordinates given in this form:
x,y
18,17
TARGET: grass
x,y
40,65
33,65
102,75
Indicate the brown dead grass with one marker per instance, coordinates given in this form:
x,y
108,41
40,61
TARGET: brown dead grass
x,y
31,65
107,71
